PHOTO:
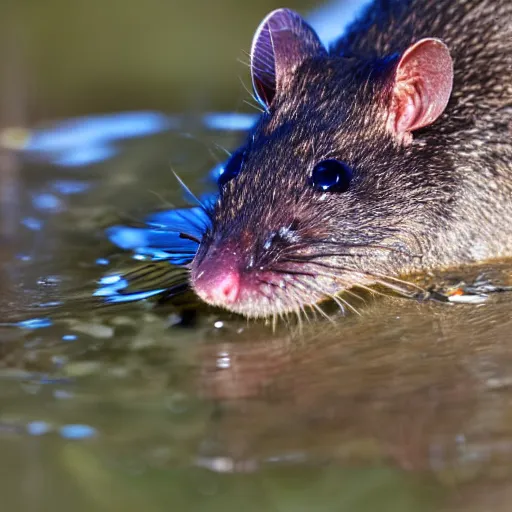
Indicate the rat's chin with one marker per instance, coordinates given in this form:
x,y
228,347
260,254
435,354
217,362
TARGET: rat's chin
x,y
261,293
265,300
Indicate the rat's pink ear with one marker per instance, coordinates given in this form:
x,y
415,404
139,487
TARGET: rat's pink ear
x,y
281,43
422,86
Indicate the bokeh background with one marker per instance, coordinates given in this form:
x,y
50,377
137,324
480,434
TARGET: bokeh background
x,y
62,58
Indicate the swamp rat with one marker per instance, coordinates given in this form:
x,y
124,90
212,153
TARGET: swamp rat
x,y
386,154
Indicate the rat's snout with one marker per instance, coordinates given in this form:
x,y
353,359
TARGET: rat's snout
x,y
216,279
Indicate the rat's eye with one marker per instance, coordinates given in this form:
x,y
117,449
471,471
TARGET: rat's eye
x,y
231,168
331,176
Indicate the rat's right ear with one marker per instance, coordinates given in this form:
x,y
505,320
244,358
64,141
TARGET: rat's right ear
x,y
281,43
422,85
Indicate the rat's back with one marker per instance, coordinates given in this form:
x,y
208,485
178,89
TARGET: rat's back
x,y
474,135
477,32
477,28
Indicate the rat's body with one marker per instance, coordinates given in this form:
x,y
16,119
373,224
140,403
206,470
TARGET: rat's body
x,y
431,180
472,141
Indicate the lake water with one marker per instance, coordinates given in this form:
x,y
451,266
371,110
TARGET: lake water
x,y
404,406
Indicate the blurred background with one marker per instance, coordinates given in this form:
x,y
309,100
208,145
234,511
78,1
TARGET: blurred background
x,y
62,58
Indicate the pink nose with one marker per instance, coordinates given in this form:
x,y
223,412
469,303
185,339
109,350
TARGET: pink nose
x,y
220,288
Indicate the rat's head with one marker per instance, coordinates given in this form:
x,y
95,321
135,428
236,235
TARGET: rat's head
x,y
328,191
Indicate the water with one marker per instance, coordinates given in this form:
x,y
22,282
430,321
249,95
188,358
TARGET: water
x,y
405,406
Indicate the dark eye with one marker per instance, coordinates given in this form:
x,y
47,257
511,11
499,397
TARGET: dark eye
x,y
331,176
231,168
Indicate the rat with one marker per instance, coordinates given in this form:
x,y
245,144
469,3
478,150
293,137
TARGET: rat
x,y
387,154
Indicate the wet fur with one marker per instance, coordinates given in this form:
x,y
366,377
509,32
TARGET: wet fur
x,y
445,199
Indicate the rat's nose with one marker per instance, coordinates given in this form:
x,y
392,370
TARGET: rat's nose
x,y
218,286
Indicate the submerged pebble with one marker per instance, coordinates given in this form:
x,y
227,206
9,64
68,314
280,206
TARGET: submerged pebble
x,y
82,368
100,331
38,428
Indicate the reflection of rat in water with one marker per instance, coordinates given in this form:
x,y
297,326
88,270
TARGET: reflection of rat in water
x,y
388,154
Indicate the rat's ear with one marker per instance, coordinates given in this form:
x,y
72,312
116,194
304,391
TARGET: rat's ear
x,y
281,43
421,88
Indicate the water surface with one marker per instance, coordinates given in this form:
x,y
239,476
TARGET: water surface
x,y
404,406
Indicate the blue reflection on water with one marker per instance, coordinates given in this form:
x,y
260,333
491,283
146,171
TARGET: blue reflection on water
x,y
93,131
113,279
32,223
215,173
71,432
230,121
156,245
91,140
117,298
38,428
51,304
110,285
47,202
70,187
112,290
160,241
126,237
35,323
172,255
86,155
77,431
189,220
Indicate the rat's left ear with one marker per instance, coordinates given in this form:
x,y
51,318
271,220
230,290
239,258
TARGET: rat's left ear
x,y
281,43
421,87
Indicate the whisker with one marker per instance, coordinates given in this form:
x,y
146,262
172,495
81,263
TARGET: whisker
x,y
165,202
339,302
244,62
335,277
398,280
300,258
187,236
378,277
323,313
306,316
397,289
256,105
368,289
226,152
200,227
187,189
314,242
350,306
335,299
176,211
355,295
297,312
253,105
314,307
281,317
